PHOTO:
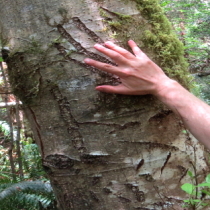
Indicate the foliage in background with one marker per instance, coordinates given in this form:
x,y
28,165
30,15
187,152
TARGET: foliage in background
x,y
197,193
27,194
23,182
30,195
191,20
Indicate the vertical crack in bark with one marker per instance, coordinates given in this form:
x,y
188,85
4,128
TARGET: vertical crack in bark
x,y
73,128
37,131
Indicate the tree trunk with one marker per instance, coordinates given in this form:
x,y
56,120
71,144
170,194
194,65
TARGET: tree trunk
x,y
101,151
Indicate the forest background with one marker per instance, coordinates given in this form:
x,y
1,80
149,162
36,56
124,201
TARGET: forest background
x,y
23,182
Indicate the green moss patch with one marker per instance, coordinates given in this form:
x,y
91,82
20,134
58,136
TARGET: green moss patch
x,y
152,31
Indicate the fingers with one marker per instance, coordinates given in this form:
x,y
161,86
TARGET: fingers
x,y
115,56
118,49
136,50
104,67
120,89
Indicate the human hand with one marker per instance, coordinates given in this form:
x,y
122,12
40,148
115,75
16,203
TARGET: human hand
x,y
138,74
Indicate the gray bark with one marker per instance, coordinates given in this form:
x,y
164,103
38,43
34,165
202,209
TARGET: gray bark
x,y
100,151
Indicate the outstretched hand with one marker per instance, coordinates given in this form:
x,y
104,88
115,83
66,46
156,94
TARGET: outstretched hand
x,y
138,74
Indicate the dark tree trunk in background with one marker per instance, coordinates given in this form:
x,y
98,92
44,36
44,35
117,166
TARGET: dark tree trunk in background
x,y
100,151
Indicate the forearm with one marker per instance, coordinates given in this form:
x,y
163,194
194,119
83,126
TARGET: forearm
x,y
194,113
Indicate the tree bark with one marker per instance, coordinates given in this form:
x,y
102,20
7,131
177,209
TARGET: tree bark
x,y
100,151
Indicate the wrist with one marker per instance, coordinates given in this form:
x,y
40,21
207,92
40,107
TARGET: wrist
x,y
167,90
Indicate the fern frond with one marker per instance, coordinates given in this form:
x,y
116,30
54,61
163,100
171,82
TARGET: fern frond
x,y
30,195
33,186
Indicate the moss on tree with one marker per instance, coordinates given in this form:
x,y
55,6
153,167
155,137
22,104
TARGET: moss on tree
x,y
153,33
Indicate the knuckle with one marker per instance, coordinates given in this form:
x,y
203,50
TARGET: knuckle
x,y
125,53
126,72
107,66
148,62
115,55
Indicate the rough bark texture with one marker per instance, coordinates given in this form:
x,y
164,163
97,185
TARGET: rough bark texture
x,y
100,151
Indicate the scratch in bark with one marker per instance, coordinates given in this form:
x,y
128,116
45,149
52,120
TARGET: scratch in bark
x,y
166,161
140,164
72,125
79,24
79,47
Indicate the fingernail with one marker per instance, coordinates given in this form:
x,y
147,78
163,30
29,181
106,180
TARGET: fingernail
x,y
87,60
97,45
109,43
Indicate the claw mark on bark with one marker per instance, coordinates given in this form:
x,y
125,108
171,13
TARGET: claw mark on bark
x,y
140,164
70,39
63,52
166,161
79,24
79,47
73,128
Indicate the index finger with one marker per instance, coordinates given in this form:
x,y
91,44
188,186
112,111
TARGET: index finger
x,y
115,56
120,50
104,67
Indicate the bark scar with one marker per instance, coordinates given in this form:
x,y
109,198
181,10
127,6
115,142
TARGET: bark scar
x,y
166,161
72,125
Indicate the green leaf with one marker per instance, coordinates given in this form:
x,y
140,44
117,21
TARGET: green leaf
x,y
208,178
206,192
188,188
184,131
196,200
1,59
190,173
186,201
204,204
204,185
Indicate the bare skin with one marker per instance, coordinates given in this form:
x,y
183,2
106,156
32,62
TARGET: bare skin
x,y
140,76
